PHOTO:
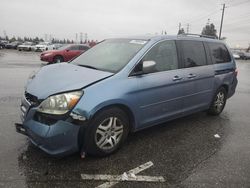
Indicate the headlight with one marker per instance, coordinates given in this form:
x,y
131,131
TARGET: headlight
x,y
60,104
48,54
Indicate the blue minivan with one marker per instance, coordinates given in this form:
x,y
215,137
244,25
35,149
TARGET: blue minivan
x,y
122,85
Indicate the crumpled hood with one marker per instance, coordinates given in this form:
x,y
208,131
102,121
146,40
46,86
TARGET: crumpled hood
x,y
62,77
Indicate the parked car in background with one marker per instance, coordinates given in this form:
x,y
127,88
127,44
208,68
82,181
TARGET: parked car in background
x,y
43,46
13,45
26,46
124,85
64,53
244,55
236,55
3,43
57,46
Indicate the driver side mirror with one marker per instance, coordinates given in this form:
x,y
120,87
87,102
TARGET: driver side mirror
x,y
148,66
144,68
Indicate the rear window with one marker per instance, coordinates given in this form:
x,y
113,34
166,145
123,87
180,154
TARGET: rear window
x,y
219,53
193,53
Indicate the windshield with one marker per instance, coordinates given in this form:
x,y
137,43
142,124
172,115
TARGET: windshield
x,y
27,43
110,55
64,47
44,43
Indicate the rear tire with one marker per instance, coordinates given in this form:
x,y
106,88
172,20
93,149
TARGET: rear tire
x,y
106,132
58,59
219,102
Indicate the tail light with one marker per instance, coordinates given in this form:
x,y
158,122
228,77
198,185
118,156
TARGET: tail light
x,y
236,72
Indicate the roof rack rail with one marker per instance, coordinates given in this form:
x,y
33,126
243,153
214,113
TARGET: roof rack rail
x,y
198,35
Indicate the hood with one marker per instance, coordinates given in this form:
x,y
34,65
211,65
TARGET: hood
x,y
62,77
41,45
24,45
49,51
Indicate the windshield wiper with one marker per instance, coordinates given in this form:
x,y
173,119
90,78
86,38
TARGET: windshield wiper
x,y
88,66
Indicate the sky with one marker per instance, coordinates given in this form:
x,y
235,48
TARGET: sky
x,y
102,19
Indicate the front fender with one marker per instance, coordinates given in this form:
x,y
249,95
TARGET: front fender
x,y
110,103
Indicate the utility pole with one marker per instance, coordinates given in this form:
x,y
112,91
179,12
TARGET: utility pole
x,y
208,21
222,17
86,37
76,38
81,37
188,25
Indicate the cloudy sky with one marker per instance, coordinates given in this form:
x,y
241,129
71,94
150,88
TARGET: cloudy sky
x,y
113,18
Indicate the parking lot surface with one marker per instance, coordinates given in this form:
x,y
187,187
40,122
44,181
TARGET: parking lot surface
x,y
185,152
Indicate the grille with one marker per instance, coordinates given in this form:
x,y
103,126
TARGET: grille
x,y
33,100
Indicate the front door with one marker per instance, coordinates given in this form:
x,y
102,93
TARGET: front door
x,y
160,93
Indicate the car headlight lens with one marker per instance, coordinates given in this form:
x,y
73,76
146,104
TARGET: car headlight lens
x,y
60,104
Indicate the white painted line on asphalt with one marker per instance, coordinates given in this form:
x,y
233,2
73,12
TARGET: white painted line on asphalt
x,y
126,176
102,177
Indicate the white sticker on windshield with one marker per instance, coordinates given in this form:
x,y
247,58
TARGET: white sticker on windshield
x,y
138,42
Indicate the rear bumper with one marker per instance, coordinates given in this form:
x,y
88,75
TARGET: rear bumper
x,y
233,87
59,139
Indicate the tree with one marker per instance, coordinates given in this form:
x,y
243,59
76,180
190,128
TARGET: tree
x,y
181,31
13,39
209,30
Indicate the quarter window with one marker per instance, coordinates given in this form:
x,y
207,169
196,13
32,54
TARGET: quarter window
x,y
193,53
83,48
219,53
75,47
165,56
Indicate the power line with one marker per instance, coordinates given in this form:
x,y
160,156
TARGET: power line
x,y
204,17
240,3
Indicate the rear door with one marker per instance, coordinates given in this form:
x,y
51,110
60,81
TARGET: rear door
x,y
160,93
199,76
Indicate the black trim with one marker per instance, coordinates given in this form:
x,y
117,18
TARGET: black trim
x,y
224,71
20,129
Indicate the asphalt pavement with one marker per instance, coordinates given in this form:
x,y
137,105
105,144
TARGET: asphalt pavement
x,y
185,152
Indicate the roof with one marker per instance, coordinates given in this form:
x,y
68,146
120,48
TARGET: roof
x,y
173,37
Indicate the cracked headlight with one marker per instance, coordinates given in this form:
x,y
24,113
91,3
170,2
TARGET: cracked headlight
x,y
61,103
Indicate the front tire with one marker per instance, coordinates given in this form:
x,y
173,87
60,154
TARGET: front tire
x,y
58,59
107,131
219,102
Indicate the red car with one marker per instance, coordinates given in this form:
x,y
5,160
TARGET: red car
x,y
64,53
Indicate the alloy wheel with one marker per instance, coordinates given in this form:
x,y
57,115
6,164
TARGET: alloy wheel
x,y
109,133
219,101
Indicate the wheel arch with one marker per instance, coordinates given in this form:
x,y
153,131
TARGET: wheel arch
x,y
123,107
225,86
57,55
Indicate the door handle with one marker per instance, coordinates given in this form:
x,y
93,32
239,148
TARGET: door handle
x,y
176,78
191,75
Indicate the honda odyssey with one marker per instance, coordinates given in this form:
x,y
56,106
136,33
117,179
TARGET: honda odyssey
x,y
123,85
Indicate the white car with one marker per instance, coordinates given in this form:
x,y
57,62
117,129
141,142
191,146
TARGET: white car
x,y
26,46
43,46
236,56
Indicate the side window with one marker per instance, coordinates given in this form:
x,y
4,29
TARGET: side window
x,y
75,47
83,48
193,53
219,53
165,56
